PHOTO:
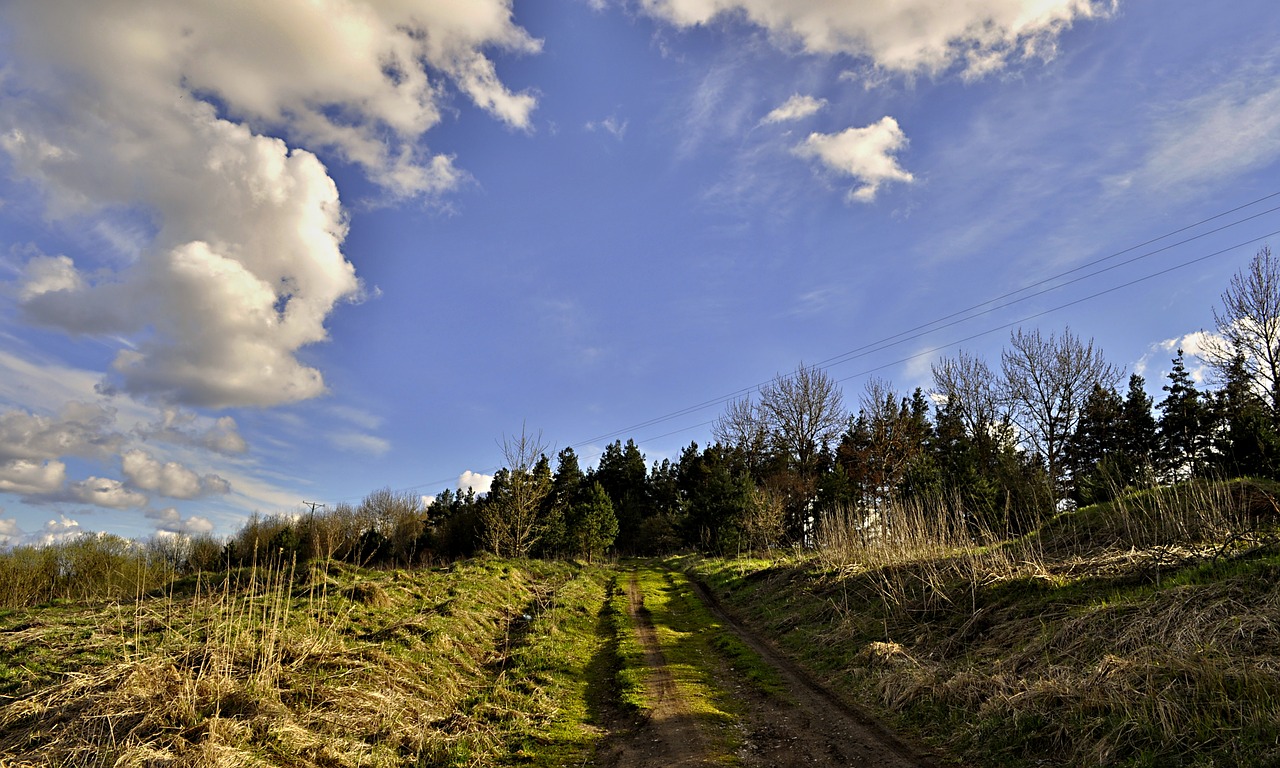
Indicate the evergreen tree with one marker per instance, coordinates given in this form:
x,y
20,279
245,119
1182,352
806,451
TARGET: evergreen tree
x,y
592,523
660,530
566,487
1184,425
1246,442
718,494
1095,451
1141,435
624,476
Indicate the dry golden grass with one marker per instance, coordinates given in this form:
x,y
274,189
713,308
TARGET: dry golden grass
x,y
332,668
1142,632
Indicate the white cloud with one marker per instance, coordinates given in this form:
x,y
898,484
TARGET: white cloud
x,y
795,108
475,481
1213,137
358,442
55,532
80,429
169,521
105,492
611,125
10,533
909,36
110,107
32,478
866,154
180,427
171,479
1162,353
45,274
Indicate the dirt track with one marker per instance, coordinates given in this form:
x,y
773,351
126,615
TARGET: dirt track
x,y
809,726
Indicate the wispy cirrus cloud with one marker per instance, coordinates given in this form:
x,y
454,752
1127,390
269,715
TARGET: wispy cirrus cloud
x,y
797,107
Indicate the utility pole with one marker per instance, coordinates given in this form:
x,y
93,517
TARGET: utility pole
x,y
313,505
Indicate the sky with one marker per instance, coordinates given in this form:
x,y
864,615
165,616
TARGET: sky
x,y
259,254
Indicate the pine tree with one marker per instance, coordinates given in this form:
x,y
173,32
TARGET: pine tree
x,y
592,522
1141,436
718,492
1096,449
624,476
566,487
1184,425
1246,442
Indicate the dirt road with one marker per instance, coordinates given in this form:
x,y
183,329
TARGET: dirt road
x,y
806,726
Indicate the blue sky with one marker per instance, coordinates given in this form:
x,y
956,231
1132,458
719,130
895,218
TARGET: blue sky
x,y
255,254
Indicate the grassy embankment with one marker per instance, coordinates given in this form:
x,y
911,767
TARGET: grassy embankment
x,y
483,663
1141,632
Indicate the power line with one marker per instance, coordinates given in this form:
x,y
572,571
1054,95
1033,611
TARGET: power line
x,y
972,312
969,313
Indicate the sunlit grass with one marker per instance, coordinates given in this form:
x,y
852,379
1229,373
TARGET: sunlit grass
x,y
1145,631
326,666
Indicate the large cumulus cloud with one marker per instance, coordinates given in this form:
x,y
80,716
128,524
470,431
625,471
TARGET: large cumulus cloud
x,y
199,124
902,36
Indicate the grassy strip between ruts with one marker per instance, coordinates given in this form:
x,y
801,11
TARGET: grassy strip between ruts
x,y
482,663
630,671
704,658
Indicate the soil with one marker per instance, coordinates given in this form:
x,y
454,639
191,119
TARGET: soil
x,y
669,735
808,726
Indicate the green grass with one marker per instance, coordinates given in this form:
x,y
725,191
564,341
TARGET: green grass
x,y
322,666
1097,652
630,672
706,660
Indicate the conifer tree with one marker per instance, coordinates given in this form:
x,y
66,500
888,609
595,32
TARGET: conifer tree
x,y
592,523
623,474
1246,442
1096,450
566,487
1140,432
1184,425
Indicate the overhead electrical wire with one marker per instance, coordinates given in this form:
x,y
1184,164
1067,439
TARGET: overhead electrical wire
x,y
969,313
983,308
989,331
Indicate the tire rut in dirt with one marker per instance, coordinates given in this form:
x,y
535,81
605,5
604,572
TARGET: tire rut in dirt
x,y
811,726
669,735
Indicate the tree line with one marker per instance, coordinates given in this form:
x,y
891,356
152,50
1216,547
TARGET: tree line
x,y
1000,444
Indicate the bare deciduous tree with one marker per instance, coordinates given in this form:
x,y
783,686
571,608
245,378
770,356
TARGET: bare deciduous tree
x,y
1046,382
804,412
967,384
510,514
742,426
1249,324
889,438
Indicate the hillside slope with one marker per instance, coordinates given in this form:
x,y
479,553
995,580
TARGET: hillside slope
x,y
1139,633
